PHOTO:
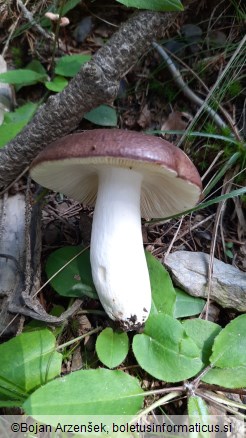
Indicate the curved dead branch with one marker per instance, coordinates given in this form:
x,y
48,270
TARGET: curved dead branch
x,y
96,83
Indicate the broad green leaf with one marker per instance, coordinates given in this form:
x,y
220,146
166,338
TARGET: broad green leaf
x,y
69,65
154,5
9,131
203,334
75,280
198,414
58,84
10,404
15,121
165,351
103,115
229,349
35,65
69,4
163,293
112,347
227,377
229,356
10,394
187,305
21,114
197,406
27,362
88,392
22,77
229,253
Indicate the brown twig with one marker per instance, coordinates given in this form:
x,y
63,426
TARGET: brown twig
x,y
29,17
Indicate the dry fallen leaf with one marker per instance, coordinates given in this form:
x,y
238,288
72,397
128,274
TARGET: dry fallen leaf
x,y
176,121
145,117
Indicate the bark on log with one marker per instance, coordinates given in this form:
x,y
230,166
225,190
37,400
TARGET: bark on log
x,y
20,252
97,82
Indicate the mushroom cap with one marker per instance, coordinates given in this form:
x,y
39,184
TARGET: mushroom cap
x,y
71,165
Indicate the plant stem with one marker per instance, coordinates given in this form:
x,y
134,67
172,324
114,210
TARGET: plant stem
x,y
156,404
66,344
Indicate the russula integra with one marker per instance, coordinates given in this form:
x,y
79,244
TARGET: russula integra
x,y
126,175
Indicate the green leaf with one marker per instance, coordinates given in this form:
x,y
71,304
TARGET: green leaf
x,y
88,392
165,351
21,114
198,413
202,205
227,377
15,121
163,293
229,356
75,280
58,84
10,404
22,77
197,406
229,253
219,175
9,131
69,4
27,362
35,65
103,115
187,305
154,5
69,65
203,334
229,245
229,349
112,347
197,134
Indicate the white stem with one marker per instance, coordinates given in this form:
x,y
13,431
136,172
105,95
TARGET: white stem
x,y
118,262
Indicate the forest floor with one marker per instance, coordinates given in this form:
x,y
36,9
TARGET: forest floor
x,y
201,45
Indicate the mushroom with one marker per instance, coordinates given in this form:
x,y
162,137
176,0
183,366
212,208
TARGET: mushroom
x,y
126,175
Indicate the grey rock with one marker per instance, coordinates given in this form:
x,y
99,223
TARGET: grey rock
x,y
190,272
192,35
217,38
83,29
191,32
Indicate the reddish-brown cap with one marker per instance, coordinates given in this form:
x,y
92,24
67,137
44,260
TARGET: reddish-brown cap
x,y
70,165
